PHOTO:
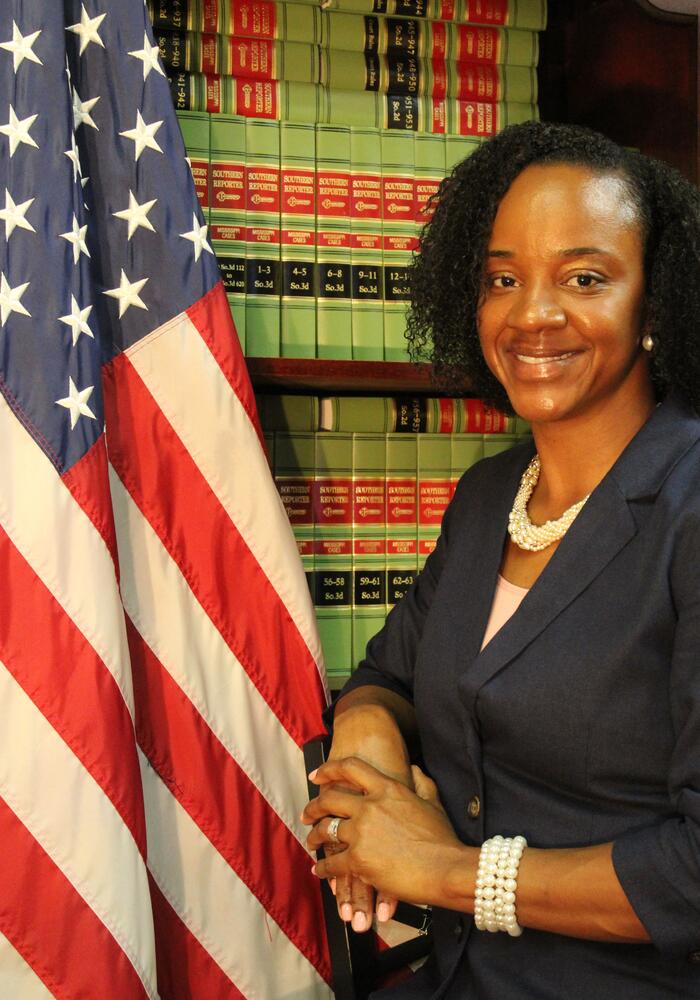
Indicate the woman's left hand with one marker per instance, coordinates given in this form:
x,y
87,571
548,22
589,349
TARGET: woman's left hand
x,y
398,841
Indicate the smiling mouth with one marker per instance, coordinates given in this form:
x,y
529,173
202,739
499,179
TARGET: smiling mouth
x,y
529,359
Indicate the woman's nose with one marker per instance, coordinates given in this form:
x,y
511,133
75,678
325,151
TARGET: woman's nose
x,y
536,307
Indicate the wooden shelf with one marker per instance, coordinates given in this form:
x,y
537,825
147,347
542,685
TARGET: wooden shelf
x,y
362,377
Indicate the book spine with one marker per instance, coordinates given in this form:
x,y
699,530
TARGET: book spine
x,y
401,514
466,450
368,539
298,240
294,458
434,489
398,237
366,245
332,505
333,250
195,128
246,18
458,148
495,443
262,239
283,412
228,211
429,151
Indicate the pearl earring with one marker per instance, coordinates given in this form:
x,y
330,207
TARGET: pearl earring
x,y
648,342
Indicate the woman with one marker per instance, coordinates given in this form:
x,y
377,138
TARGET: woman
x,y
547,660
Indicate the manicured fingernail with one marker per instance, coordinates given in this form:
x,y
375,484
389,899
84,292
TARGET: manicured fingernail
x,y
312,774
359,922
383,912
346,912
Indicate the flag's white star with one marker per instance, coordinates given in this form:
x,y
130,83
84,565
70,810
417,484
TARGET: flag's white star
x,y
149,57
76,402
21,47
136,215
128,293
14,215
10,299
74,156
76,237
77,320
88,28
81,111
142,135
198,236
18,131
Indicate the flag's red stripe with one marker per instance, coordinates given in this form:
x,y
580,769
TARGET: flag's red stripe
x,y
225,804
222,572
212,316
70,685
185,968
88,481
51,925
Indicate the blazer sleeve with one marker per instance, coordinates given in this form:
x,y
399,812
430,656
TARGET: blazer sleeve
x,y
659,866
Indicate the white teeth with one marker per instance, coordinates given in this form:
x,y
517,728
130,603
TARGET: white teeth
x,y
528,360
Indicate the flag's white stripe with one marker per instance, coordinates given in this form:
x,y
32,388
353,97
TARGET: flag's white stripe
x,y
67,812
62,546
18,981
166,613
197,406
217,907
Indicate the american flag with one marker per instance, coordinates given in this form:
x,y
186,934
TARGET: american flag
x,y
159,665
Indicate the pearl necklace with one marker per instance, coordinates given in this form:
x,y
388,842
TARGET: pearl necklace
x,y
535,537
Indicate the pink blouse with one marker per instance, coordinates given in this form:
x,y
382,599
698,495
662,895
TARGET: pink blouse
x,y
506,600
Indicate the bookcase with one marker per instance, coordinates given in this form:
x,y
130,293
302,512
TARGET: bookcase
x,y
625,67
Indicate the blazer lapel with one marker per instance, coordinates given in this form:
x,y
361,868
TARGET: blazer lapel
x,y
603,527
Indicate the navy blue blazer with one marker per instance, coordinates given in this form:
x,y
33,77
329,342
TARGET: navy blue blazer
x,y
578,724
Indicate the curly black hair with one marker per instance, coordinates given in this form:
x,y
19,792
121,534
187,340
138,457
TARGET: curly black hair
x,y
447,275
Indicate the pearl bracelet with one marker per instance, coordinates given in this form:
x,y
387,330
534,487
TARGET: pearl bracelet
x,y
496,884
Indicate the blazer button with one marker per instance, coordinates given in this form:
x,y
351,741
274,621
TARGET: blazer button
x,y
694,957
474,807
458,929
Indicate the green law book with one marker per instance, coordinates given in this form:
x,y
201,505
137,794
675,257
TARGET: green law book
x,y
398,237
494,443
256,19
458,148
228,211
195,126
332,505
467,450
298,240
262,239
429,152
366,244
368,539
401,514
333,250
284,412
294,458
434,489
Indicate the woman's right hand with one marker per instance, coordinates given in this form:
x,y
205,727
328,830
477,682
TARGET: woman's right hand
x,y
371,733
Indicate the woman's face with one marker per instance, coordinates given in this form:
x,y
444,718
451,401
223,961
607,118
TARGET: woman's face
x,y
561,315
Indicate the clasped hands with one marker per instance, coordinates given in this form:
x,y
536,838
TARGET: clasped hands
x,y
394,839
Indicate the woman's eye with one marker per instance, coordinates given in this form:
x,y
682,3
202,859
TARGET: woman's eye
x,y
502,281
583,280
